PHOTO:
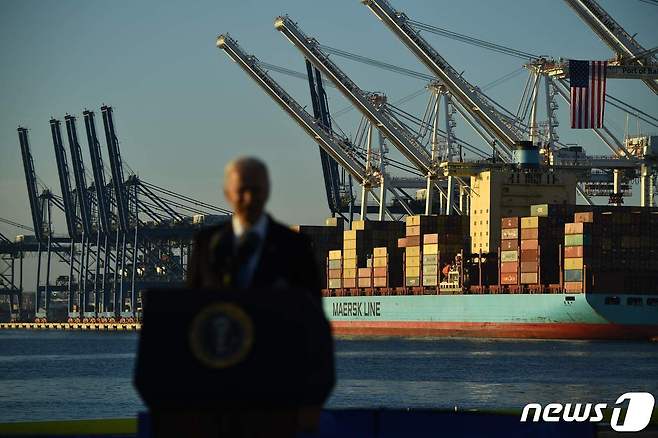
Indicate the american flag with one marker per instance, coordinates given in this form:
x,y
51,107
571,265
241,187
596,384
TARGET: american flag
x,y
587,80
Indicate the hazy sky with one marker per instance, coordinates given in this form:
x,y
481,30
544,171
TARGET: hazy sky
x,y
182,108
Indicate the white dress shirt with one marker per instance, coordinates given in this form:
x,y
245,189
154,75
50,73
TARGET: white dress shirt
x,y
246,272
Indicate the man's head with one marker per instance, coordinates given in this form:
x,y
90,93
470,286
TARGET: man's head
x,y
246,188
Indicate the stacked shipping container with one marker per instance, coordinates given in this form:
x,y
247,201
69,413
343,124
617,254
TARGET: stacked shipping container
x,y
612,250
509,251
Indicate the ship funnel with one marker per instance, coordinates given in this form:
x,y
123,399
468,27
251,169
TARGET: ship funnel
x,y
526,154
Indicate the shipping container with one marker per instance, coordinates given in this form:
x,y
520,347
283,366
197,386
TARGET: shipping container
x,y
412,281
573,263
529,278
335,254
349,283
430,248
335,283
507,245
573,275
509,256
510,222
412,251
509,278
509,267
529,244
510,233
529,267
430,259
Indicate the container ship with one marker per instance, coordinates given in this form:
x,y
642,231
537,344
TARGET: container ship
x,y
555,270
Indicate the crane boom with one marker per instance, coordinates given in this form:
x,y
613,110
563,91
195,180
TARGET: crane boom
x,y
396,133
64,178
79,174
336,146
612,34
98,170
474,101
116,167
31,181
321,112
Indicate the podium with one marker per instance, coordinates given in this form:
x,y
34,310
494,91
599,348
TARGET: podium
x,y
206,358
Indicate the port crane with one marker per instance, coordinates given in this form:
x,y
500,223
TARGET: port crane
x,y
394,131
332,181
338,147
477,104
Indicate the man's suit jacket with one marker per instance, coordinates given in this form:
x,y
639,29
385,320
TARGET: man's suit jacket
x,y
286,260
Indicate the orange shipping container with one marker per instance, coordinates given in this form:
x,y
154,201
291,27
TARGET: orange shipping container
x,y
349,282
530,233
573,251
583,217
379,282
402,242
576,228
334,273
506,267
573,286
379,272
431,238
508,278
529,244
364,272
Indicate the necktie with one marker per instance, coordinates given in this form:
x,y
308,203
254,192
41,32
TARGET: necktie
x,y
247,246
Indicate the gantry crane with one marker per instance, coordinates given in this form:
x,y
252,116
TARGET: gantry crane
x,y
103,216
628,51
329,165
337,147
466,94
394,131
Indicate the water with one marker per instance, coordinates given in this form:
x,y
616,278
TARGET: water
x,y
72,375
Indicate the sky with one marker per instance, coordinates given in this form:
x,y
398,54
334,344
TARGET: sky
x,y
183,109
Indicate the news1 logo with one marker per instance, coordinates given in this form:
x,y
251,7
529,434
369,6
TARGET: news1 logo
x,y
638,412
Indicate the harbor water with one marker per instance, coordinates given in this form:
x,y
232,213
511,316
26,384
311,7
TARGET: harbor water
x,y
47,375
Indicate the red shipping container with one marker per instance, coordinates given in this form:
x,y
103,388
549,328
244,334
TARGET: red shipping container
x,y
529,267
573,251
334,273
431,238
529,255
509,267
529,233
380,272
508,278
510,222
349,282
529,244
507,245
